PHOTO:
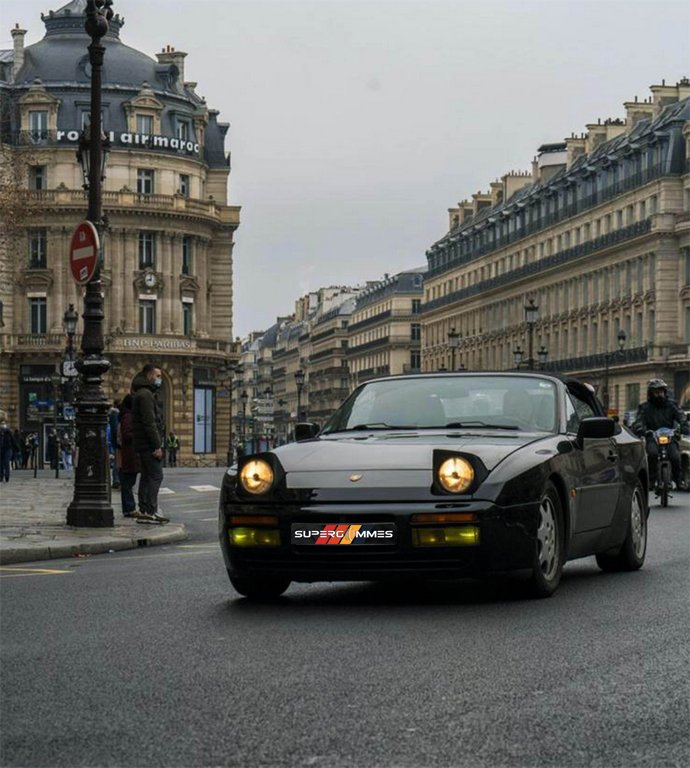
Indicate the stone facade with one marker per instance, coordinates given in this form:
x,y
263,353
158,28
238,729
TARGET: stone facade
x,y
598,236
167,251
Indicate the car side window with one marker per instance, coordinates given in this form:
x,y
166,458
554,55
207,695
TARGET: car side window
x,y
576,410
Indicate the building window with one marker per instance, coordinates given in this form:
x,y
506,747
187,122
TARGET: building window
x,y
145,181
145,124
147,316
38,177
632,396
187,318
203,420
186,255
415,360
182,130
416,332
416,306
38,247
147,250
38,315
38,126
184,185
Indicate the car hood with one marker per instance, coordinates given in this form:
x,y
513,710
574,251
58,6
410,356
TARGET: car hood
x,y
400,451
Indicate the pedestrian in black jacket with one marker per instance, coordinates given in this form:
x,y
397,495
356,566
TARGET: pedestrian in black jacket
x,y
7,448
148,430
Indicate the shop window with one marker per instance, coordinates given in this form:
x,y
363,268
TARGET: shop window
x,y
203,419
184,185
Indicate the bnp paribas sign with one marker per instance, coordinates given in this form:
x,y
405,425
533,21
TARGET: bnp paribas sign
x,y
126,139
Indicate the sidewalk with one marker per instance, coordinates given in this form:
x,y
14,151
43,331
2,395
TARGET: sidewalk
x,y
33,514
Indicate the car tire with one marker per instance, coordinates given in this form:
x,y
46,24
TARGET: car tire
x,y
261,587
632,553
549,547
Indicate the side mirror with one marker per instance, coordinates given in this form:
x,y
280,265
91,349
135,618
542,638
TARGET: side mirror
x,y
306,430
595,427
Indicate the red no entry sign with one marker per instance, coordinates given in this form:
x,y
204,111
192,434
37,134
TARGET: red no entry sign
x,y
83,252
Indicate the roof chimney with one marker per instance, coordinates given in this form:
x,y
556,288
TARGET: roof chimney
x,y
170,56
18,37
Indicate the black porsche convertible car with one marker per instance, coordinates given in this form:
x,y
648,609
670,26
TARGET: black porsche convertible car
x,y
440,476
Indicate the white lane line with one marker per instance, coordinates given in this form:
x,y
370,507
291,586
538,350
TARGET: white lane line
x,y
204,488
165,491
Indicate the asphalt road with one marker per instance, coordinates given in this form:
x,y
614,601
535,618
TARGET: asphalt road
x,y
148,658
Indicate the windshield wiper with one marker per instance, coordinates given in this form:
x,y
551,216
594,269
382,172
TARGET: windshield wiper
x,y
375,425
481,424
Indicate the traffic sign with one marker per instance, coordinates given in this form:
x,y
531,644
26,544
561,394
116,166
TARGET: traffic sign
x,y
83,252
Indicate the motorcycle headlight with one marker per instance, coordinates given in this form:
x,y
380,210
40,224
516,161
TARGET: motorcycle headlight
x,y
664,440
256,476
455,474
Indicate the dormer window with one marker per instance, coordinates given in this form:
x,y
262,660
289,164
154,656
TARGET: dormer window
x,y
38,126
145,124
183,130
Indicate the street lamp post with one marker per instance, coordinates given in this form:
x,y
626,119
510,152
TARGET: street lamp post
x,y
243,397
225,378
453,342
518,355
608,356
56,380
91,505
543,355
531,317
299,381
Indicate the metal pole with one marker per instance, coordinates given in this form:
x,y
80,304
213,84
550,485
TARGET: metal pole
x,y
606,383
91,505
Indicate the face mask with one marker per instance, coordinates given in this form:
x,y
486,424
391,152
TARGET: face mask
x,y
157,382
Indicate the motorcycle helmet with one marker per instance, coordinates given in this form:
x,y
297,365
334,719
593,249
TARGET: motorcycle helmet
x,y
656,384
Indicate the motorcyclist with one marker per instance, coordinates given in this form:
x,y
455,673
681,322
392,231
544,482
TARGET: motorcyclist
x,y
660,411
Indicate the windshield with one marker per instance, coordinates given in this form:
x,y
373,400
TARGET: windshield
x,y
496,402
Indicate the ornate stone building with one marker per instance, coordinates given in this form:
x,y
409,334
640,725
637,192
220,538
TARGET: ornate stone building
x,y
598,237
385,328
167,255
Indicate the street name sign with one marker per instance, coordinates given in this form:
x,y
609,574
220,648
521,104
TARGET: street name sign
x,y
83,252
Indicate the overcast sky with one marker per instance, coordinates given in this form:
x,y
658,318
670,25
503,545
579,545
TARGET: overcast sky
x,y
356,124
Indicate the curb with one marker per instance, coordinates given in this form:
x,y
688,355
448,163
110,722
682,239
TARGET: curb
x,y
97,546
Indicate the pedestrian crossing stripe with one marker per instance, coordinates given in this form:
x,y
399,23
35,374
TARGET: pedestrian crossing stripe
x,y
204,488
165,491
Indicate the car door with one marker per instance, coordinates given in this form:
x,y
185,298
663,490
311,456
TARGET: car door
x,y
599,484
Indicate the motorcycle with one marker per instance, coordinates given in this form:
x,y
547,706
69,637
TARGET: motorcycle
x,y
663,437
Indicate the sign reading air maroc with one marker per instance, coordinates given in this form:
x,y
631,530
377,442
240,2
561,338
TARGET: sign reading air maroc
x,y
83,252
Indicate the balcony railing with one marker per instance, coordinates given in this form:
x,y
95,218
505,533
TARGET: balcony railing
x,y
598,361
555,260
128,199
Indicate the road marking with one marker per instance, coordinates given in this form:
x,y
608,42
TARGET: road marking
x,y
10,572
165,491
209,519
204,488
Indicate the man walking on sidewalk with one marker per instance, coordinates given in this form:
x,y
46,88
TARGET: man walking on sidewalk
x,y
148,428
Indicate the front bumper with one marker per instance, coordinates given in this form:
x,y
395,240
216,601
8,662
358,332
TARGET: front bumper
x,y
507,538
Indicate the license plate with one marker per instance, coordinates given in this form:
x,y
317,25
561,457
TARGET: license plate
x,y
344,534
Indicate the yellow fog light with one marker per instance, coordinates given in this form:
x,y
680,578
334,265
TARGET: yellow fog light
x,y
664,440
254,537
451,536
256,476
456,474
